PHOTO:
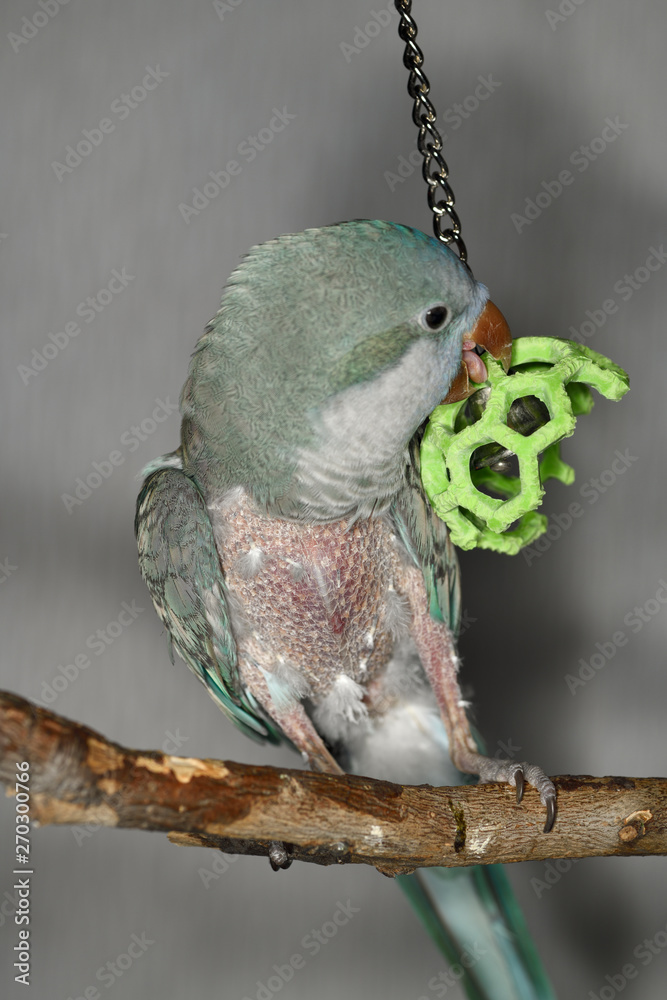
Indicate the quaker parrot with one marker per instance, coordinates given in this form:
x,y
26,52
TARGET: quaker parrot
x,y
292,555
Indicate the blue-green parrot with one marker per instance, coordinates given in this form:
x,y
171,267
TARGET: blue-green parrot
x,y
294,559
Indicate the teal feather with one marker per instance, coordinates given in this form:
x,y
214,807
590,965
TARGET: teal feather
x,y
427,540
179,562
474,919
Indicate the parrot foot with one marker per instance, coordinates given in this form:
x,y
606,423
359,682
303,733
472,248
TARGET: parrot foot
x,y
278,857
517,773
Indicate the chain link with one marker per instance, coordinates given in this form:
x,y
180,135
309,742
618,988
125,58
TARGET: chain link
x,y
434,169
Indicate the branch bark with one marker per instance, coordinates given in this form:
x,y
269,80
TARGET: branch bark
x,y
77,776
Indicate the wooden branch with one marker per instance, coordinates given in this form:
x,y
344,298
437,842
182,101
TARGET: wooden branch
x,y
77,776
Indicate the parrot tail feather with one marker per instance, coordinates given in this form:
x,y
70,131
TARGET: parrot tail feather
x,y
474,919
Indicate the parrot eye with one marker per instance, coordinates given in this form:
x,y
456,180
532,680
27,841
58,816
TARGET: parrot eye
x,y
436,317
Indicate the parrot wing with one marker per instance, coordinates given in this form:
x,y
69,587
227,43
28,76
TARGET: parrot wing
x,y
179,561
427,540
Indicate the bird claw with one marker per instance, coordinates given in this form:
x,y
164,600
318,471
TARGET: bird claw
x,y
551,813
520,773
278,857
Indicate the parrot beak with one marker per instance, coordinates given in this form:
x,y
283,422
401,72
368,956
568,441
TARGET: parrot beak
x,y
493,334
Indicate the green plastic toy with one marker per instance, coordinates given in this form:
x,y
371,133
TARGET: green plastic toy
x,y
546,389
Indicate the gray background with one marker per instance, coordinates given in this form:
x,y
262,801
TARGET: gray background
x,y
119,208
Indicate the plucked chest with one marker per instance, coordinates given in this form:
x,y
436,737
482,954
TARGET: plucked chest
x,y
319,598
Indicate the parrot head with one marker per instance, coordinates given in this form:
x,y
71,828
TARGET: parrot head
x,y
330,349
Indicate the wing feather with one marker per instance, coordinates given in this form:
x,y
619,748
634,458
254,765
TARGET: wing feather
x,y
179,562
427,540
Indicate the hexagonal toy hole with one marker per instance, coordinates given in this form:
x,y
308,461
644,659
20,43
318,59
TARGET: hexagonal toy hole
x,y
473,409
527,414
494,471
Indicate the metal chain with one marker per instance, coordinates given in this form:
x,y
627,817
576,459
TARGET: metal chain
x,y
429,142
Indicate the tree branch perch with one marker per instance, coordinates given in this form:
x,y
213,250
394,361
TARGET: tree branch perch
x,y
77,776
